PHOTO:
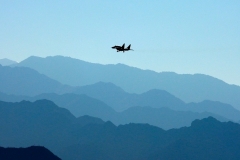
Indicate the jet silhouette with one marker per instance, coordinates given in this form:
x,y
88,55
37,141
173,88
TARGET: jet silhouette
x,y
121,48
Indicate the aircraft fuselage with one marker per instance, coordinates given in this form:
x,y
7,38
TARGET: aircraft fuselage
x,y
121,48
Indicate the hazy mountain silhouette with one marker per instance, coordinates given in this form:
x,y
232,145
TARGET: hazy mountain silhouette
x,y
190,88
120,100
39,123
43,123
106,92
80,105
206,139
30,153
215,107
15,82
12,97
164,118
26,81
7,62
183,115
33,122
86,120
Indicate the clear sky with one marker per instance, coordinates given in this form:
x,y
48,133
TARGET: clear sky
x,y
182,36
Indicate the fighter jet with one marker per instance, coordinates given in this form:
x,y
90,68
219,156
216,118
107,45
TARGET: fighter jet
x,y
121,48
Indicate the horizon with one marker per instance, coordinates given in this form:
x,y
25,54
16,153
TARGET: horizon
x,y
126,65
182,37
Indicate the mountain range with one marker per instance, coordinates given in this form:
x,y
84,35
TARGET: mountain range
x,y
189,88
7,62
45,124
102,99
120,100
29,153
39,123
166,118
82,110
26,81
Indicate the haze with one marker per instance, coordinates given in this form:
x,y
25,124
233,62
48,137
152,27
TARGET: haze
x,y
178,36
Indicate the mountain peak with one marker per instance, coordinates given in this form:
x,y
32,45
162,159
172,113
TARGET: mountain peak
x,y
189,88
103,86
205,123
7,62
26,81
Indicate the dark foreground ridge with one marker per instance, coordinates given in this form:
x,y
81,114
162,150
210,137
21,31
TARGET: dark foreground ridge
x,y
30,153
70,138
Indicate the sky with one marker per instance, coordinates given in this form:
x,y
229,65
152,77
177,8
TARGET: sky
x,y
182,36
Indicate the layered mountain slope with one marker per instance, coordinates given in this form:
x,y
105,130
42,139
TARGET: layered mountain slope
x,y
190,88
121,100
80,105
205,139
45,124
112,96
7,62
26,81
39,123
215,107
164,118
26,122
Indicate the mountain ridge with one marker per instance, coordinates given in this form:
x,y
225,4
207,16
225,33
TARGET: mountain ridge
x,y
7,62
166,118
70,139
29,153
27,81
189,88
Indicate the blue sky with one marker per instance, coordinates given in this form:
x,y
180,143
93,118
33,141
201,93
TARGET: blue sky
x,y
182,36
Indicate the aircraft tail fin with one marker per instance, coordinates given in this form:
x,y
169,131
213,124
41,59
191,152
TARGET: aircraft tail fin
x,y
129,47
